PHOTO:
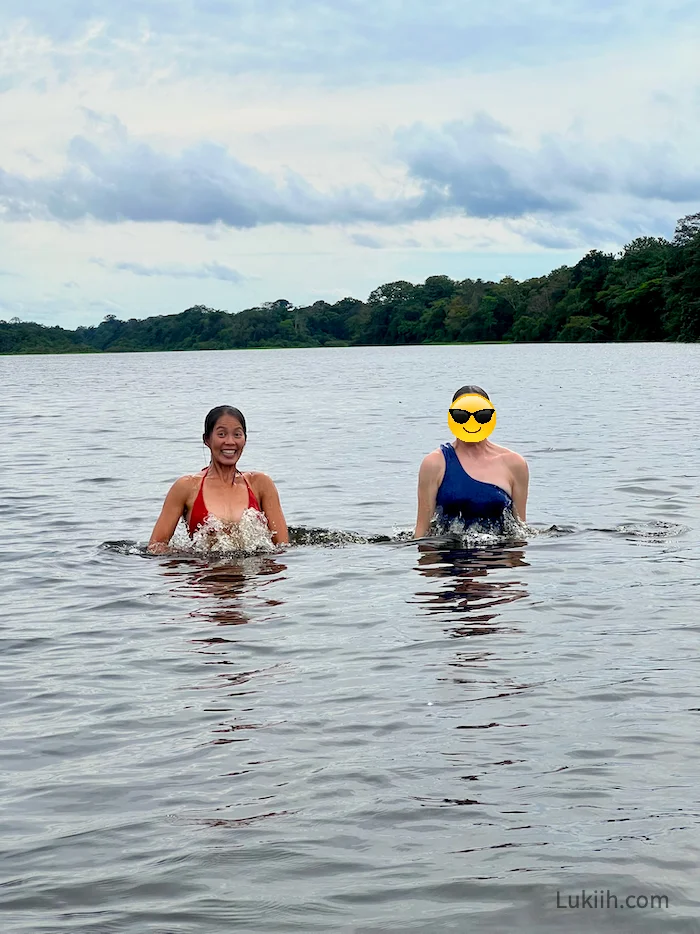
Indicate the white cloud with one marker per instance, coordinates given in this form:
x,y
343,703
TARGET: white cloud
x,y
115,178
477,168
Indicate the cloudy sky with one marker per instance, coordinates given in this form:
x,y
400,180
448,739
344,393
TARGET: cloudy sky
x,y
164,153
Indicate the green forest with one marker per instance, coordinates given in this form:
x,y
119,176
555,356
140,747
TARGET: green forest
x,y
648,292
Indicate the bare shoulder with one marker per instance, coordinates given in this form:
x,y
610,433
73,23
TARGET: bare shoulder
x,y
185,483
516,462
432,464
256,475
259,480
187,486
435,457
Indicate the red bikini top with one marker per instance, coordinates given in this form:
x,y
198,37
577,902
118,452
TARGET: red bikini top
x,y
200,513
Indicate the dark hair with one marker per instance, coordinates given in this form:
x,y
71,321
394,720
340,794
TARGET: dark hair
x,y
470,391
216,413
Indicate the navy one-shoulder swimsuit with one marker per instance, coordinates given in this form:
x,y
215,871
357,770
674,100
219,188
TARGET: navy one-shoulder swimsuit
x,y
462,497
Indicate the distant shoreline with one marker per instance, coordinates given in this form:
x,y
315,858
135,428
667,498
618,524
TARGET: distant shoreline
x,y
89,351
648,293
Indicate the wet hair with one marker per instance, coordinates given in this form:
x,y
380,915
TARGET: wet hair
x,y
470,391
215,414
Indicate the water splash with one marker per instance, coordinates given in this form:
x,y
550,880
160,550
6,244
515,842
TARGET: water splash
x,y
339,538
250,535
483,533
214,538
125,547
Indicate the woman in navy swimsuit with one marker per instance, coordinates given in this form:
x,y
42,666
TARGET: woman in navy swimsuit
x,y
470,481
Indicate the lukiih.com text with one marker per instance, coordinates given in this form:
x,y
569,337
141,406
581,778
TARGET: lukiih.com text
x,y
606,900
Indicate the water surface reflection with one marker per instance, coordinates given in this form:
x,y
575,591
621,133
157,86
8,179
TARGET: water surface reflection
x,y
230,592
470,589
225,586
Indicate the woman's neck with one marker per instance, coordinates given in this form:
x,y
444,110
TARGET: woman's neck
x,y
226,474
475,449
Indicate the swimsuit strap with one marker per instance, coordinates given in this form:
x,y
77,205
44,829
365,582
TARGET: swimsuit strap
x,y
452,460
199,513
252,499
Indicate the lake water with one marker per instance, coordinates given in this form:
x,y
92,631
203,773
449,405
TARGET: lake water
x,y
367,736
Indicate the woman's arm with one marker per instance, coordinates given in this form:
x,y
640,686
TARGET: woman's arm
x,y
170,515
521,482
270,504
430,476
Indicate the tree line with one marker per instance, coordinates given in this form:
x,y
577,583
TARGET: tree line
x,y
648,292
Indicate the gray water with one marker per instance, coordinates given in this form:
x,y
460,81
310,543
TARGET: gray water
x,y
359,736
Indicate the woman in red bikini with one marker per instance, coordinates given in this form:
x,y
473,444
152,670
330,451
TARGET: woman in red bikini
x,y
220,490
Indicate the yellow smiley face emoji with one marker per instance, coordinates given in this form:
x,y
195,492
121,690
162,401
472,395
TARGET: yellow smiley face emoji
x,y
471,418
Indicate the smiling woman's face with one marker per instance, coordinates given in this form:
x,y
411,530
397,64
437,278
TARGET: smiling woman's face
x,y
227,440
469,429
